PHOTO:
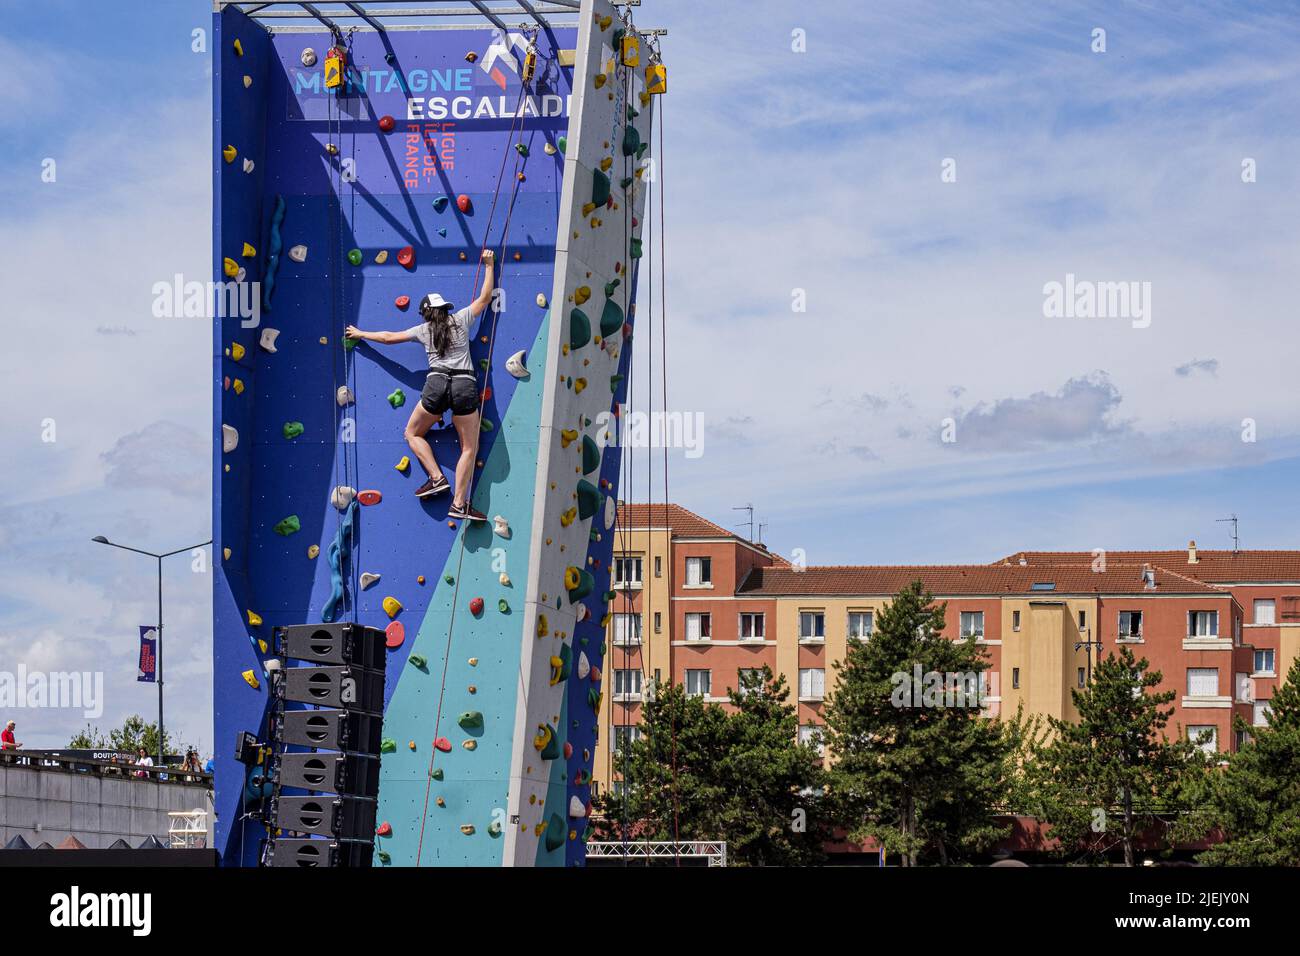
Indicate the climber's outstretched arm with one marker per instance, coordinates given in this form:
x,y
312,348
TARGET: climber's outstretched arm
x,y
489,283
383,338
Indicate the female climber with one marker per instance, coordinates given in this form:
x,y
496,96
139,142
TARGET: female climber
x,y
451,383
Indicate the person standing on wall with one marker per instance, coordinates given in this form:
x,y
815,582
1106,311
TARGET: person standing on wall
x,y
451,383
7,739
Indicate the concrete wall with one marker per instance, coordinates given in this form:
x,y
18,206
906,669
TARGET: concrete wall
x,y
45,805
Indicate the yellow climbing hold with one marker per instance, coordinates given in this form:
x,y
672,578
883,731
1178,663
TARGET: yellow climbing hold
x,y
600,80
249,251
254,619
251,679
229,153
392,606
542,628
603,22
578,385
607,162
236,351
568,436
572,578
225,553
230,267
314,551
582,293
566,519
403,463
239,47
238,386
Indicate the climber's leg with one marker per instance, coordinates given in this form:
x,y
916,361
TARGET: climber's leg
x,y
467,428
417,426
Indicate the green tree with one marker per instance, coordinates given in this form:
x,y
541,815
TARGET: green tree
x,y
1256,802
134,733
915,765
699,772
1113,775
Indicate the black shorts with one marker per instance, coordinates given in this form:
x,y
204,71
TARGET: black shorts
x,y
455,390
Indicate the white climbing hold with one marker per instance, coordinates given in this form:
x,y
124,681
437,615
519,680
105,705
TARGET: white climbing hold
x,y
609,512
248,81
268,338
241,275
248,165
515,365
308,57
499,527
577,808
368,579
504,579
298,253
342,496
549,149
229,438
583,613
541,300
584,665
343,396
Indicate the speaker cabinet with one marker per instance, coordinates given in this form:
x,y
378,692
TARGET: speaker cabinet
x,y
319,853
348,774
350,818
332,730
352,688
344,643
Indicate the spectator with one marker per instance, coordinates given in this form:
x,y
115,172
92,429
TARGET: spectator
x,y
191,763
7,741
143,760
207,767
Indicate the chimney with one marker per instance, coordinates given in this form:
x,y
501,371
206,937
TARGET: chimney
x,y
1191,552
1148,577
1023,561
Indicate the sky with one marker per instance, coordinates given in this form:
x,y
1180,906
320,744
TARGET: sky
x,y
866,346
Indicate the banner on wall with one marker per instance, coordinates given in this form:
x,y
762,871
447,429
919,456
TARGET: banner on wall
x,y
148,654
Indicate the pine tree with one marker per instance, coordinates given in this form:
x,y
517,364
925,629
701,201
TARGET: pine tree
x,y
1256,803
1113,776
915,765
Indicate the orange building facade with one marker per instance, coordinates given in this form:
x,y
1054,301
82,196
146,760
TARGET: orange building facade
x,y
697,605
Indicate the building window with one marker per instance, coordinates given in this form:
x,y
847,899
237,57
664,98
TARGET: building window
x,y
627,628
627,683
1015,677
1264,661
812,625
1265,611
699,627
1261,712
1202,682
1245,688
748,680
1083,620
1130,625
972,624
860,624
1202,623
659,566
699,572
812,683
658,621
699,683
627,572
751,626
1211,742
1015,620
1083,678
1243,738
810,735
625,735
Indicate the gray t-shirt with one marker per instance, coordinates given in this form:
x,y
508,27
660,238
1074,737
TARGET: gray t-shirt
x,y
457,354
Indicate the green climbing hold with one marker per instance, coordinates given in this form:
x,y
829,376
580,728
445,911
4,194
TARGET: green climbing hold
x,y
288,526
611,286
611,318
555,832
350,344
579,329
625,182
631,113
354,257
503,606
397,399
631,140
521,149
485,424
563,143
293,429
494,829
388,745
437,773
614,381
471,720
483,364
384,857
599,187
634,248
418,660
552,749
449,579
590,455
588,499
608,596
585,584
640,150
593,699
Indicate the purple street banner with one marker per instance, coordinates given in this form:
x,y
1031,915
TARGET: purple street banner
x,y
148,654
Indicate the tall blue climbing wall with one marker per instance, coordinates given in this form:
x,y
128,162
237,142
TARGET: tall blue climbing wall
x,y
494,666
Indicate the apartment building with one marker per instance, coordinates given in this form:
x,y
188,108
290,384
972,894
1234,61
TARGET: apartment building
x,y
697,604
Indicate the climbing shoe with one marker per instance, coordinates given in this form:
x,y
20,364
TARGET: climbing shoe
x,y
465,513
434,486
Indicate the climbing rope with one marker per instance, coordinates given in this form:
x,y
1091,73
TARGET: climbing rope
x,y
516,126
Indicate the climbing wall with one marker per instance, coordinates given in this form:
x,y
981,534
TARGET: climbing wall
x,y
342,208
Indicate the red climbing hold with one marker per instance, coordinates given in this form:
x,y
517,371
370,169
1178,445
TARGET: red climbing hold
x,y
487,393
476,606
463,203
394,634
386,124
443,744
385,829
370,497
568,750
406,257
627,330
402,302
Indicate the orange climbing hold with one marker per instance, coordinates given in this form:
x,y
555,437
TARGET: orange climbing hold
x,y
463,203
402,302
371,497
394,634
385,829
406,257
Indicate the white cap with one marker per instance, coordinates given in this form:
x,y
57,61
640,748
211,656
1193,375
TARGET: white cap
x,y
433,301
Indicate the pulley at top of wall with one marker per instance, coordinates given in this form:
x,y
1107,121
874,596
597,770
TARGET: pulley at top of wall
x,y
336,66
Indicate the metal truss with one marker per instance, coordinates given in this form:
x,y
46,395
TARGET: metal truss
x,y
715,851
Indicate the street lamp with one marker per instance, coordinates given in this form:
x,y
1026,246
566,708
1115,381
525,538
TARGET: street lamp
x,y
100,539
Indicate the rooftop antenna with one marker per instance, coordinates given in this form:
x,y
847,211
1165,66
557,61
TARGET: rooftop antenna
x,y
1236,542
761,526
750,509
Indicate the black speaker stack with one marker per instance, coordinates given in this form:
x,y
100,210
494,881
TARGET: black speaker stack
x,y
326,722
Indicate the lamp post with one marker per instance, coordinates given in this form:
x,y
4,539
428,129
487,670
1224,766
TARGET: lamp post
x,y
100,539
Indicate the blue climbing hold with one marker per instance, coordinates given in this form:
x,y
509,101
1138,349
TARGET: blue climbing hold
x,y
339,550
273,248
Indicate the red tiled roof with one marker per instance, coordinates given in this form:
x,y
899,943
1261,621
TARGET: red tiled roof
x,y
1216,567
975,579
681,521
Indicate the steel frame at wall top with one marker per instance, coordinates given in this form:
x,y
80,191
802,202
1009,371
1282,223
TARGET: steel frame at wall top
x,y
338,15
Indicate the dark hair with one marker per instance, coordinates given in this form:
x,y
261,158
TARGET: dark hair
x,y
439,317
